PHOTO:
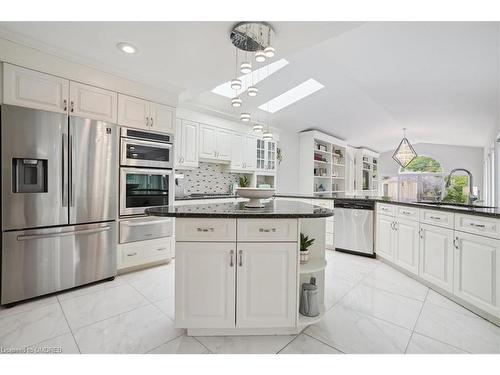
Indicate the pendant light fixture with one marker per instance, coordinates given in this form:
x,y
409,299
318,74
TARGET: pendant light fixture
x,y
404,153
236,84
260,56
267,135
257,128
245,117
236,101
269,51
245,67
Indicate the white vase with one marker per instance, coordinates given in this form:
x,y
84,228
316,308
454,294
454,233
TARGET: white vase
x,y
304,257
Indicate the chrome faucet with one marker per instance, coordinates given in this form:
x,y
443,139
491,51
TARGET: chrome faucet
x,y
471,197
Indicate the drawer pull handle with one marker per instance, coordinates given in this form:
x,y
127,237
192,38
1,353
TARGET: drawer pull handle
x,y
406,212
132,254
241,258
435,217
161,249
267,230
148,234
477,225
231,257
205,229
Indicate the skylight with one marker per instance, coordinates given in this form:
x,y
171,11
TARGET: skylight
x,y
257,75
291,96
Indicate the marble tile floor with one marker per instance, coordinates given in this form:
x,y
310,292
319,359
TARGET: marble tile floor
x,y
371,308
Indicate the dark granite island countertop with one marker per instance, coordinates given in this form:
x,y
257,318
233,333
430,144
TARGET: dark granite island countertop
x,y
272,210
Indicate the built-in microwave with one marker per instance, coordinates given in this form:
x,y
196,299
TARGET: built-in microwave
x,y
141,188
146,149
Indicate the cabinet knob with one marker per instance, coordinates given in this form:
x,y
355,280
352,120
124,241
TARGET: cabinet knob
x,y
65,103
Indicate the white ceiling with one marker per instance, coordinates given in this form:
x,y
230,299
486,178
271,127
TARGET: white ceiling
x,y
440,80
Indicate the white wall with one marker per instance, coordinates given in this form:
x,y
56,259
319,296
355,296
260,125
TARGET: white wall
x,y
450,157
288,170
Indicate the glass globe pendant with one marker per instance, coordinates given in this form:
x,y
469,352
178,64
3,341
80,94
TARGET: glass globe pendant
x,y
236,84
252,91
269,51
245,117
236,102
245,67
260,56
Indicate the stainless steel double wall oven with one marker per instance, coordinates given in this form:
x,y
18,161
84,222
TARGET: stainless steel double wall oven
x,y
59,202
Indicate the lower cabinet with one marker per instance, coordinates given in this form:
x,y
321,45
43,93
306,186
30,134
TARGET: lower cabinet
x,y
406,244
476,271
266,285
140,253
228,285
385,237
205,284
436,256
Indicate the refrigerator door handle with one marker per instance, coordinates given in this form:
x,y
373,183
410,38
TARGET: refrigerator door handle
x,y
61,234
64,170
71,179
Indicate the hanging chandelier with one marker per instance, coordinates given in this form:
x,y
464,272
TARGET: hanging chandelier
x,y
251,38
405,152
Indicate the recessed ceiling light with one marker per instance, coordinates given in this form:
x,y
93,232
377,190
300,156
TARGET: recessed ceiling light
x,y
126,47
291,96
246,80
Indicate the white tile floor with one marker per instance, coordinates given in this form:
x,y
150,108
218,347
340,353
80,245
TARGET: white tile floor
x,y
372,308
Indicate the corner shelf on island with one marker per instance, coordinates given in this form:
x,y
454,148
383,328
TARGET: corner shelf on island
x,y
313,265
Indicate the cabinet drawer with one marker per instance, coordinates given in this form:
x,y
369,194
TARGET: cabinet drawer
x,y
258,230
478,225
145,228
143,252
435,217
386,209
216,230
410,213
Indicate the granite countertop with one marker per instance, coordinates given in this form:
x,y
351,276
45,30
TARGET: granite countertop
x,y
206,196
272,210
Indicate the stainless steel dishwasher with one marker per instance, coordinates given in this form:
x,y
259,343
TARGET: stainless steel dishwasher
x,y
354,226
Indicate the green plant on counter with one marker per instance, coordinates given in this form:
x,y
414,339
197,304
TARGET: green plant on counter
x,y
455,193
244,182
279,155
305,242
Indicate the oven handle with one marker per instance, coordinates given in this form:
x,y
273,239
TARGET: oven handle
x,y
146,143
158,172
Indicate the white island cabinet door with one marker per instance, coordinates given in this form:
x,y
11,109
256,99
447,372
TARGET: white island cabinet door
x,y
161,118
92,102
133,112
32,89
476,274
385,237
406,245
205,275
436,256
266,285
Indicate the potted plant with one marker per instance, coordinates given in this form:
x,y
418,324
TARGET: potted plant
x,y
244,181
305,244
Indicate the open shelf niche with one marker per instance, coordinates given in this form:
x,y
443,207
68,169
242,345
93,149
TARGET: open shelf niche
x,y
316,265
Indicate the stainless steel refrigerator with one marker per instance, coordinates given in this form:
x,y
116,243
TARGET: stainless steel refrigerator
x,y
59,202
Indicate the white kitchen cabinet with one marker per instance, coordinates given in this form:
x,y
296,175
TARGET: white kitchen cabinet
x,y
436,256
29,88
406,242
143,114
92,102
186,141
476,271
385,237
205,281
133,112
266,285
214,143
242,153
161,118
140,253
266,156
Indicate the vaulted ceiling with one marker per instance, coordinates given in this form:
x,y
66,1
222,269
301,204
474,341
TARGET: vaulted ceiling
x,y
438,79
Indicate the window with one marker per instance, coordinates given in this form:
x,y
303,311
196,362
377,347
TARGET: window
x,y
424,180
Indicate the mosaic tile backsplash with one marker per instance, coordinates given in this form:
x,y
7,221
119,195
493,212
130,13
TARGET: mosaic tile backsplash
x,y
208,178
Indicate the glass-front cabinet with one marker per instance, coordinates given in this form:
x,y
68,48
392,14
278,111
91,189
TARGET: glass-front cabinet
x,y
266,156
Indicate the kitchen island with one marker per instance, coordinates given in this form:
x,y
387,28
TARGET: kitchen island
x,y
237,270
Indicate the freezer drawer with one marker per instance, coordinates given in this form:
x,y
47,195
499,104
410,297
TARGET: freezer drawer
x,y
145,228
40,261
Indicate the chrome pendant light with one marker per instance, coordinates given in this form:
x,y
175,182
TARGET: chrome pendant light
x,y
245,117
257,128
236,101
405,152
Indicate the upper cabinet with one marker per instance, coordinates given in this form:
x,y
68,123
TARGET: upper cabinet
x,y
243,153
266,156
29,88
214,143
186,144
92,102
142,114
